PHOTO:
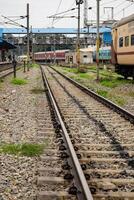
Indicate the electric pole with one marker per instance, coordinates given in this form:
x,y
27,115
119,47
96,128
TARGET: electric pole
x,y
98,38
28,37
78,2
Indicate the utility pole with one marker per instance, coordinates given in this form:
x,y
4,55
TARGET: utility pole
x,y
28,37
123,12
54,50
98,38
78,2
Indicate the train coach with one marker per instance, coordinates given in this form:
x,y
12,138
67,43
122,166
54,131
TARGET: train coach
x,y
50,56
123,46
104,54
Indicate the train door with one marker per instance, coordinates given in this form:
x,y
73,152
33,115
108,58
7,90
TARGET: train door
x,y
114,47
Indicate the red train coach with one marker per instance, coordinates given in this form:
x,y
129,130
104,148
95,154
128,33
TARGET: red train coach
x,y
50,56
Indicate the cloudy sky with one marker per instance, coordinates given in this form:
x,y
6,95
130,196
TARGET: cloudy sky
x,y
41,9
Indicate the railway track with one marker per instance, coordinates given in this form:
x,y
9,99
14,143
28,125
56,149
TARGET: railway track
x,y
6,70
103,141
5,73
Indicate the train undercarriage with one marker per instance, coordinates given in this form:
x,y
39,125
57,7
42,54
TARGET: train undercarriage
x,y
125,70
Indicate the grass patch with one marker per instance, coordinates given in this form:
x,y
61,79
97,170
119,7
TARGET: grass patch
x,y
37,90
103,93
84,75
109,83
32,149
26,149
18,81
34,65
118,100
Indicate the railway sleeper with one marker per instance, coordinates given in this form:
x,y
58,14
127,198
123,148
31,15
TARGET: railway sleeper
x,y
54,195
114,196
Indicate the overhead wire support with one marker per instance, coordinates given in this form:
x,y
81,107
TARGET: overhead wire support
x,y
28,37
98,38
51,16
78,3
12,22
60,17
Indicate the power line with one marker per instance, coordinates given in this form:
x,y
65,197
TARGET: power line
x,y
124,8
57,10
51,16
108,2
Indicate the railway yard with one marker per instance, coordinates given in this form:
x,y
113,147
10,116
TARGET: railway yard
x,y
67,100
59,141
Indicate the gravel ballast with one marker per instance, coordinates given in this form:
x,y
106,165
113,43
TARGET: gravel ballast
x,y
19,105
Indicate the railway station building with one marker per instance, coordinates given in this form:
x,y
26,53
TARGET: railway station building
x,y
5,47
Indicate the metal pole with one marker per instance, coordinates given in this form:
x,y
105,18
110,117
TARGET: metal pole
x,y
24,66
98,39
123,12
54,51
78,38
28,35
14,66
112,12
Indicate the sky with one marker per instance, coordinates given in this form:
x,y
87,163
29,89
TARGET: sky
x,y
41,9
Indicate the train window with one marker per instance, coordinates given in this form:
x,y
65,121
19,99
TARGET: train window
x,y
127,41
121,42
132,39
84,56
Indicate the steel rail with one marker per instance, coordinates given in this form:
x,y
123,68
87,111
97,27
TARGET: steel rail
x,y
79,177
124,113
6,74
2,70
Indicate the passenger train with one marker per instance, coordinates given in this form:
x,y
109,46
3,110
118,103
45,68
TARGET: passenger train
x,y
50,56
123,46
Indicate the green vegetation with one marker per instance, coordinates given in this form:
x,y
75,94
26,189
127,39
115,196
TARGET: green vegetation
x,y
111,85
34,65
84,75
18,81
114,82
103,93
26,149
73,70
118,100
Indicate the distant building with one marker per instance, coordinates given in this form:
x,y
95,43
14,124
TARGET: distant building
x,y
86,56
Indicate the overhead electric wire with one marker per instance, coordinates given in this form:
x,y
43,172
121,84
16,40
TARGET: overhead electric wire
x,y
12,22
55,20
120,4
132,3
108,2
57,10
62,12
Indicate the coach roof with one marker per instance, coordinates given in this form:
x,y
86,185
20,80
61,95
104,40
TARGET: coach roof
x,y
123,21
